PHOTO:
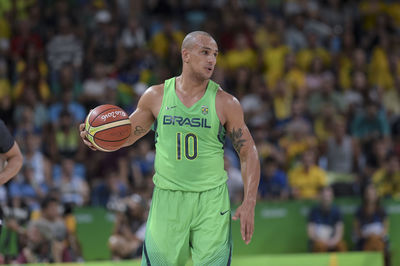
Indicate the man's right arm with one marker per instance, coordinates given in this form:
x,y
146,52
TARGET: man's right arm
x,y
144,115
142,118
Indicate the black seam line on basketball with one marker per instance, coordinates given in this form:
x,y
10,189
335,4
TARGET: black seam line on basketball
x,y
94,136
90,122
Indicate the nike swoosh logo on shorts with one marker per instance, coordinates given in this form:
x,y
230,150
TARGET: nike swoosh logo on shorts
x,y
222,213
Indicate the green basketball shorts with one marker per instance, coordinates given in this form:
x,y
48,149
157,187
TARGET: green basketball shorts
x,y
182,223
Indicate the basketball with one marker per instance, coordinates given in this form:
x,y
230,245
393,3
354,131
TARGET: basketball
x,y
108,127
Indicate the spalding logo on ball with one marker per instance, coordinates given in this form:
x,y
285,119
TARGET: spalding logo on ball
x,y
108,127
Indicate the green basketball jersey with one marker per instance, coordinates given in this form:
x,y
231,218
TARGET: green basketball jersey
x,y
189,142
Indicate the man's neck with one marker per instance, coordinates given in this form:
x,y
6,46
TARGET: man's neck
x,y
190,85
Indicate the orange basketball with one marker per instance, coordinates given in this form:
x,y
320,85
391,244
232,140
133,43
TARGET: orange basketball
x,y
108,127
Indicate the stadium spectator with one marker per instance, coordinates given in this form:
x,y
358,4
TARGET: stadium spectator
x,y
326,95
274,58
371,224
323,123
127,238
30,103
387,178
24,37
47,234
342,151
234,182
64,47
273,181
375,157
73,188
294,35
370,123
25,188
242,55
297,140
315,76
67,138
307,178
105,46
294,76
282,101
68,81
34,158
141,163
133,36
114,187
94,87
325,226
31,80
68,103
167,36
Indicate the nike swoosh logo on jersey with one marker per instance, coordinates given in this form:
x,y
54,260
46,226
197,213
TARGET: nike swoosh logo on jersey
x,y
169,108
222,213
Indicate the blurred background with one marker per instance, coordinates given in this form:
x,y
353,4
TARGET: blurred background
x,y
319,83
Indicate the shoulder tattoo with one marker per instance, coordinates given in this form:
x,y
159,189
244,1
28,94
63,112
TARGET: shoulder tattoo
x,y
237,139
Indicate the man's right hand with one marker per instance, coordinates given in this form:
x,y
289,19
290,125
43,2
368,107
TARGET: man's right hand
x,y
83,134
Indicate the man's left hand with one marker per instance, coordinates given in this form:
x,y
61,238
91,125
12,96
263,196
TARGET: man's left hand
x,y
245,213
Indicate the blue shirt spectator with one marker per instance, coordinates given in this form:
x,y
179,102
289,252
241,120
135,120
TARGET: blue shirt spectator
x,y
273,182
25,186
370,124
77,110
325,226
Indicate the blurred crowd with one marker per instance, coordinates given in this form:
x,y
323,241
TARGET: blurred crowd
x,y
319,83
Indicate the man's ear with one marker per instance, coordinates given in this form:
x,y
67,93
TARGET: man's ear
x,y
185,56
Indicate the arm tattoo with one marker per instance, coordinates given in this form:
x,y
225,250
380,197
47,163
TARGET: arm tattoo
x,y
139,131
237,140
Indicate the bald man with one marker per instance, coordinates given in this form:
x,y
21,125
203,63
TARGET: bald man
x,y
190,210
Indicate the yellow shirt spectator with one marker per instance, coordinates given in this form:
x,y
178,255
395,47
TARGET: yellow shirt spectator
x,y
22,7
387,184
345,69
264,37
44,90
393,10
322,129
294,147
240,58
369,12
296,79
282,101
42,67
274,62
5,28
379,70
391,101
5,87
307,182
305,57
160,42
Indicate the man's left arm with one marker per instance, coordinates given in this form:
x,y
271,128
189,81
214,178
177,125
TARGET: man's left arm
x,y
250,166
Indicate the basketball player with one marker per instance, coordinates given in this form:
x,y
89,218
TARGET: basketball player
x,y
12,154
190,210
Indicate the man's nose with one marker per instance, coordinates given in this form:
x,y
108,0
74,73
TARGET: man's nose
x,y
211,59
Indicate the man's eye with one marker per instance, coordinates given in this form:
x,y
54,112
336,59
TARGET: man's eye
x,y
205,52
